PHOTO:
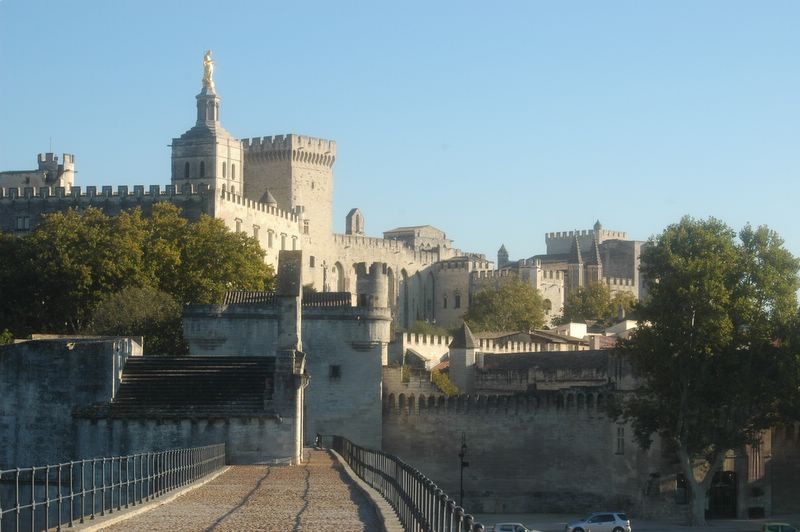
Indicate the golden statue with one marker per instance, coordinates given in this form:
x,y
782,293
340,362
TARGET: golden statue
x,y
208,70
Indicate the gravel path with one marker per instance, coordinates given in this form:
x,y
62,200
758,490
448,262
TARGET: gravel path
x,y
316,496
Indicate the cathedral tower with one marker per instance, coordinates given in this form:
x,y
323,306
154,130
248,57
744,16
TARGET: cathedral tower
x,y
207,153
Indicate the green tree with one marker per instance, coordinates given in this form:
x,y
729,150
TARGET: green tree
x,y
443,382
512,306
74,259
145,311
55,278
715,359
595,302
6,337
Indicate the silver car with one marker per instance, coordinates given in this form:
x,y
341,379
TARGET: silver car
x,y
601,522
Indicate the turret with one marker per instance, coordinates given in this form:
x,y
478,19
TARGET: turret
x,y
354,223
57,174
502,257
462,359
372,286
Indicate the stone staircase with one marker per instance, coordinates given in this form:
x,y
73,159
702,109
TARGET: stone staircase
x,y
194,386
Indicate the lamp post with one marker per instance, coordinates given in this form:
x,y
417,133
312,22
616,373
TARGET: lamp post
x,y
462,454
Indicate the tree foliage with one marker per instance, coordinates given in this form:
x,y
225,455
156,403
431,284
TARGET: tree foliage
x,y
55,278
595,302
512,306
424,327
142,311
715,358
443,382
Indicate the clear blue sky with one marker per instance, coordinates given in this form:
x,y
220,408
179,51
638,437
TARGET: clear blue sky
x,y
494,121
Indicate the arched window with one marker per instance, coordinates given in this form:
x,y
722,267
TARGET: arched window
x,y
186,171
233,171
224,168
202,168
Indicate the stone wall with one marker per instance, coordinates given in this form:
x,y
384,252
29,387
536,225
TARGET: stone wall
x,y
344,351
248,440
41,382
523,456
34,202
785,469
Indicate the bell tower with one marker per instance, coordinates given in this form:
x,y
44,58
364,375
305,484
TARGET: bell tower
x,y
207,153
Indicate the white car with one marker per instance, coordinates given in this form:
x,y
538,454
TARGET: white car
x,y
511,527
601,522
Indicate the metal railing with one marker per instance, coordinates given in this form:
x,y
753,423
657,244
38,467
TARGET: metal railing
x,y
418,502
54,496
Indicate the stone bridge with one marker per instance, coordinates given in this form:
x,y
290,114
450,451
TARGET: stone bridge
x,y
322,494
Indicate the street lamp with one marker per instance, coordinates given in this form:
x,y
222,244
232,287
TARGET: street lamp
x,y
462,454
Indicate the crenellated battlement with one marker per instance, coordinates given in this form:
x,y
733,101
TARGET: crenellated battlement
x,y
410,340
619,282
462,264
298,148
121,191
238,199
366,242
551,275
489,345
603,234
492,274
569,401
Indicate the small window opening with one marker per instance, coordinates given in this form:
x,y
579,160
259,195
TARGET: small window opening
x,y
334,372
186,171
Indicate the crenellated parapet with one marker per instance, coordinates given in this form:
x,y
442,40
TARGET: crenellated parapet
x,y
569,401
226,196
291,147
619,282
104,192
569,235
492,274
414,340
489,345
361,242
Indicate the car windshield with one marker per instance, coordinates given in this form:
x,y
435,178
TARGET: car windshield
x,y
588,517
624,517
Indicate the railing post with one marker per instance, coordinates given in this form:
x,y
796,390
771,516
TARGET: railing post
x,y
33,499
450,515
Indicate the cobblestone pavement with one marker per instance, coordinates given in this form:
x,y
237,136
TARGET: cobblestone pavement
x,y
315,496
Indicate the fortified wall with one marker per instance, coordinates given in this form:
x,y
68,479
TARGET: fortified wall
x,y
547,453
345,347
42,381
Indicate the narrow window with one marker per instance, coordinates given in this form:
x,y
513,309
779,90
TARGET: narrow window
x,y
311,261
620,440
238,225
269,238
334,372
233,189
294,243
224,168
255,231
283,241
457,302
202,168
233,171
186,171
444,303
23,223
305,227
